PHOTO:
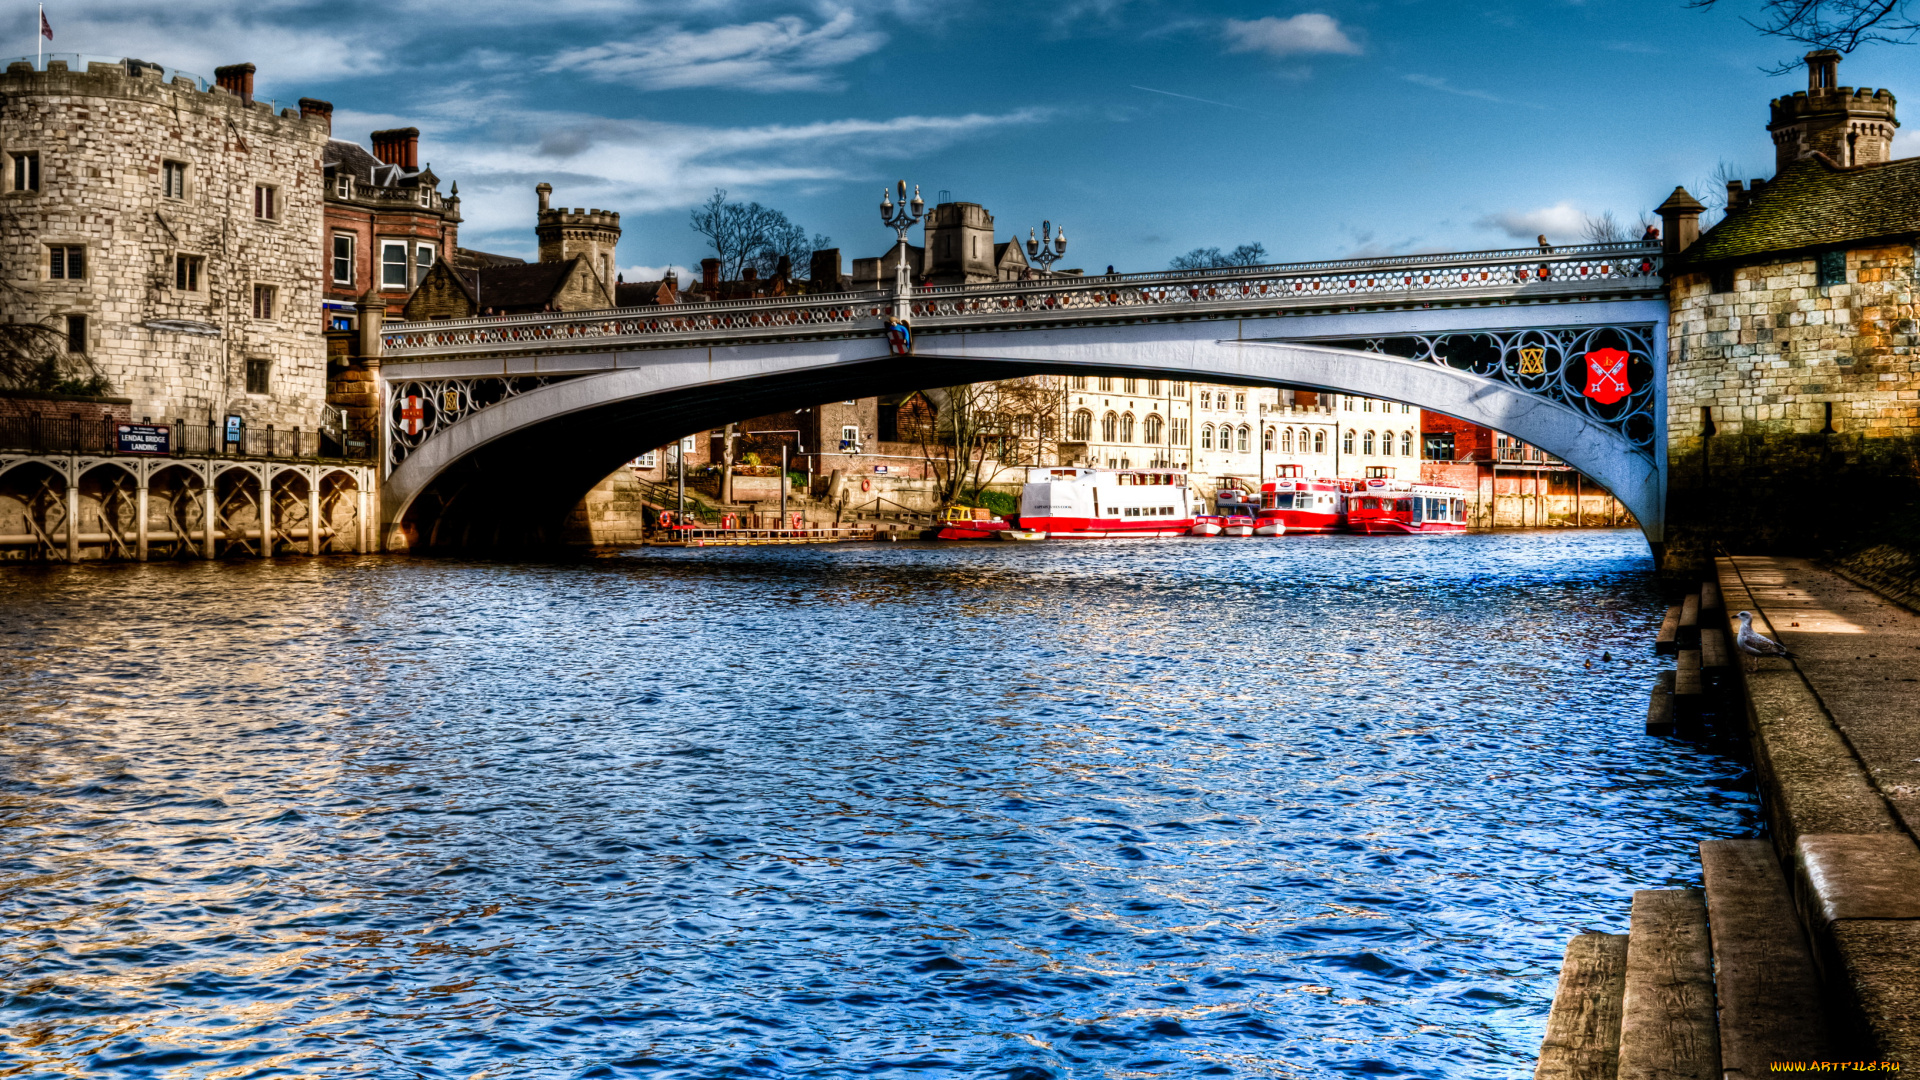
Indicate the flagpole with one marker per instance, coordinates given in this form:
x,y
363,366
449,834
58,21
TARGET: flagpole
x,y
39,40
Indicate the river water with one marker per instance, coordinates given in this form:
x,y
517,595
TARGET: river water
x,y
1311,807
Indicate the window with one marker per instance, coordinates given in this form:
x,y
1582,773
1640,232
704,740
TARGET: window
x,y
259,374
849,437
1206,399
1286,441
1267,440
1439,446
1833,268
186,273
343,259
1082,427
393,264
1346,443
266,202
645,461
1720,279
343,186
1406,444
1206,436
1346,402
1366,404
263,301
1386,443
1179,390
423,262
1154,427
1126,428
1079,382
26,172
1319,442
173,179
1109,427
1246,434
1106,383
66,262
76,333
1179,436
1366,443
1239,402
1153,387
1132,386
1405,408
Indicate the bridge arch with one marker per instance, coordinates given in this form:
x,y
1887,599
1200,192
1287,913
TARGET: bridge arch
x,y
508,474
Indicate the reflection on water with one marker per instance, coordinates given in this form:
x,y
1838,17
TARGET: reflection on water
x,y
1308,807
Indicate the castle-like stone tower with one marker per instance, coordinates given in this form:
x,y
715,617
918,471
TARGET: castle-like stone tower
x,y
960,244
585,234
1851,127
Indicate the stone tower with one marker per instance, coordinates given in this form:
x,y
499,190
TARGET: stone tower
x,y
959,244
587,234
1851,127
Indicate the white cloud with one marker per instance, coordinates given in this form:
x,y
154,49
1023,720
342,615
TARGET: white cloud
x,y
1310,32
1907,144
1561,223
782,54
1434,82
285,55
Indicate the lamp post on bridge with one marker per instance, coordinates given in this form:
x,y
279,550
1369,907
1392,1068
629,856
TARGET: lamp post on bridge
x,y
901,218
1047,247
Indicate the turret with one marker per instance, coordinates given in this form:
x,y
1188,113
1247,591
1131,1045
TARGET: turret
x,y
1849,126
583,234
959,244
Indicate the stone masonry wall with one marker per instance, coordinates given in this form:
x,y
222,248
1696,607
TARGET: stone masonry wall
x,y
103,138
1812,392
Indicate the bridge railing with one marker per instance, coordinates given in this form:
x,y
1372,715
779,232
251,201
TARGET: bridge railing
x,y
1397,279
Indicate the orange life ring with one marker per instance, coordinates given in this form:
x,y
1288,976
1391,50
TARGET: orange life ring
x,y
866,484
666,519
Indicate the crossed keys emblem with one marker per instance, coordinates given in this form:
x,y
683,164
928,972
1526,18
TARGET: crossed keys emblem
x,y
1533,360
1607,376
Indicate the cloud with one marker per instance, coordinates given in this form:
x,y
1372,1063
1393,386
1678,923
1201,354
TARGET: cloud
x,y
1310,32
1434,82
1562,222
782,54
1907,144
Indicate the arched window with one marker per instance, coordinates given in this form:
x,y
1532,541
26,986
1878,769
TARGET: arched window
x,y
1286,441
1153,428
1126,428
1406,444
1206,436
1109,425
1268,442
1346,442
1206,399
1239,402
1366,443
1246,436
1319,441
1386,443
1082,428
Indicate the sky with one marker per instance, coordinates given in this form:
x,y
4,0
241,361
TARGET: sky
x,y
1145,128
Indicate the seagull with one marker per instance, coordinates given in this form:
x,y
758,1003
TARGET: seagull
x,y
1753,642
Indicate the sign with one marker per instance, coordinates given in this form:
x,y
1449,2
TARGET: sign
x,y
142,438
412,415
1533,360
879,468
234,424
1607,376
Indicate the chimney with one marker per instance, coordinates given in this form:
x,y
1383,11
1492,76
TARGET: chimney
x,y
749,274
1681,216
710,276
236,79
314,107
545,191
1823,71
398,146
1736,196
824,269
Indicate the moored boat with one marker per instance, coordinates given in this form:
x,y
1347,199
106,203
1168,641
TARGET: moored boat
x,y
1296,503
1071,502
1205,525
1383,506
1237,525
969,523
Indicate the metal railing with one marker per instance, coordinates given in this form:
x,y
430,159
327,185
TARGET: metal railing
x,y
1582,269
38,434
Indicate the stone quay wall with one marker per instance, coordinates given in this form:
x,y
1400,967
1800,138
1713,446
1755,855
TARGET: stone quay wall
x,y
104,138
1793,408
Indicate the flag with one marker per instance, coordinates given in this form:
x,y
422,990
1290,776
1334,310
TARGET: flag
x,y
46,28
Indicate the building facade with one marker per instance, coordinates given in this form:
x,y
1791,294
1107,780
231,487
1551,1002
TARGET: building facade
x,y
387,224
165,228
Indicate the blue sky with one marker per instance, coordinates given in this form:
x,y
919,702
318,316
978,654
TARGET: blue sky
x,y
1145,127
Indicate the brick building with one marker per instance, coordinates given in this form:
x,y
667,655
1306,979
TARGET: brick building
x,y
387,224
1792,360
166,227
575,271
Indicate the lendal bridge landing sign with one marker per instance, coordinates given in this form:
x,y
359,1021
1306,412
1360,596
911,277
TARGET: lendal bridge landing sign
x,y
496,426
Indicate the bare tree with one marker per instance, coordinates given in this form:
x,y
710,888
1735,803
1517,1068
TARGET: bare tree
x,y
1211,258
748,234
1844,25
1604,229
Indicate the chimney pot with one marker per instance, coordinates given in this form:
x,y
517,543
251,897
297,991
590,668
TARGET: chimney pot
x,y
750,274
398,146
545,191
236,79
314,107
710,275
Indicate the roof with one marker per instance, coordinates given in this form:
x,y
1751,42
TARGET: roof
x,y
467,257
515,285
1814,203
350,157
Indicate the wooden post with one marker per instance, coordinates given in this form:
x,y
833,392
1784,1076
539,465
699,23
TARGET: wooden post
x,y
140,522
1583,1028
266,512
360,517
207,548
1668,1030
73,520
313,515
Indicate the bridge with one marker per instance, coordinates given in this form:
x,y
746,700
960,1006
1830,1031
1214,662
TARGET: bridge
x,y
509,421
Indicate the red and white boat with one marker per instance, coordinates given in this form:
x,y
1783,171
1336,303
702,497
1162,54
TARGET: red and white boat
x,y
1383,506
1295,503
1205,525
1068,503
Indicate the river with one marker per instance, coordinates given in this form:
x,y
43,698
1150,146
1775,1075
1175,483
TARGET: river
x,y
1308,807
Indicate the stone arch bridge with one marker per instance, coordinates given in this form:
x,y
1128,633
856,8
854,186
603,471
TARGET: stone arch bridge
x,y
495,427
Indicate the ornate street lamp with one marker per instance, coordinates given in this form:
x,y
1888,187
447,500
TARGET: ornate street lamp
x,y
1047,247
901,218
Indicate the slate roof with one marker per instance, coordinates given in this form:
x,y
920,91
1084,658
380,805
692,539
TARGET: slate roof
x,y
519,285
350,157
467,258
1814,203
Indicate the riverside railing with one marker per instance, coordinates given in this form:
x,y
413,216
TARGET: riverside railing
x,y
1513,274
38,434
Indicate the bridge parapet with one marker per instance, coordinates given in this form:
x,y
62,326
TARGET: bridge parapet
x,y
1523,275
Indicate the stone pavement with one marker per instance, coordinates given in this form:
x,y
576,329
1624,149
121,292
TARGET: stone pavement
x,y
1836,742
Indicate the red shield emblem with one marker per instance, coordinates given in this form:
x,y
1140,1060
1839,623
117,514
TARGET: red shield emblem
x,y
1607,376
899,337
412,415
